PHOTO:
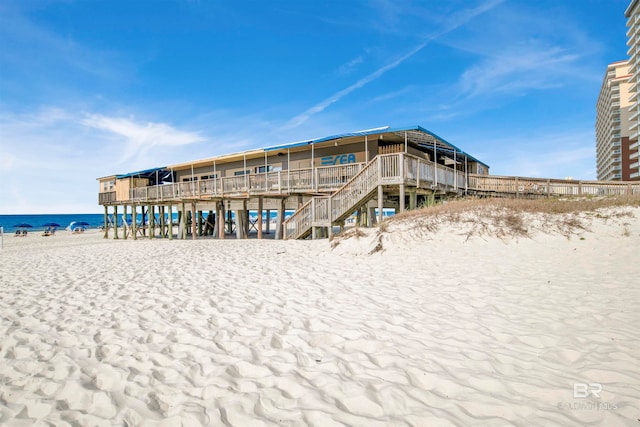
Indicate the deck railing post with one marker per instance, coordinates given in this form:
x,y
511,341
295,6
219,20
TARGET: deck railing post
x,y
401,160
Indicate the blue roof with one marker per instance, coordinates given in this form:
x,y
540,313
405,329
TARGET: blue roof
x,y
374,131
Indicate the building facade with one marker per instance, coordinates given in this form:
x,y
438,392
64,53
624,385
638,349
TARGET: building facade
x,y
331,177
613,161
633,34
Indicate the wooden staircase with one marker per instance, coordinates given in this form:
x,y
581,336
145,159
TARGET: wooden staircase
x,y
384,169
322,211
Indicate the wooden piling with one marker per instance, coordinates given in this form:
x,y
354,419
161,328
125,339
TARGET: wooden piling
x,y
106,221
115,222
260,218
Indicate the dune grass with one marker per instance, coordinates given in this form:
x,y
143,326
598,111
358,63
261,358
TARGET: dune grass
x,y
508,218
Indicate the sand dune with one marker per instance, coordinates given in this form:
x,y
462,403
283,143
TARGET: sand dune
x,y
434,329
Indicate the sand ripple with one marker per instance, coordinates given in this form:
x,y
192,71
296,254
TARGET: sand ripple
x,y
158,333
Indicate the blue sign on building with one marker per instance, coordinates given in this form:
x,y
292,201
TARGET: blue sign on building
x,y
338,159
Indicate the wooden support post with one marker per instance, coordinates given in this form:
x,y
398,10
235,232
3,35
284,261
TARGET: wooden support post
x,y
239,223
314,232
280,221
115,222
134,214
380,203
170,219
413,200
267,228
220,220
183,222
152,221
124,221
371,217
193,220
163,224
402,203
199,223
229,222
144,220
359,217
260,217
246,220
106,221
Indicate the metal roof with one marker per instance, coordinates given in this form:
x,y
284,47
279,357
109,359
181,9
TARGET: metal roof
x,y
416,134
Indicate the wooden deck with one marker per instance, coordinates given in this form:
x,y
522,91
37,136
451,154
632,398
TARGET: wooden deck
x,y
339,191
406,172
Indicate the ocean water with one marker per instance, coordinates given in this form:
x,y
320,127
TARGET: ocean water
x,y
97,220
37,221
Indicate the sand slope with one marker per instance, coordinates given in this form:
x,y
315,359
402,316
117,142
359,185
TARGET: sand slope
x,y
433,330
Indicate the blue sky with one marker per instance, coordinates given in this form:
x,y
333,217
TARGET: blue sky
x,y
93,88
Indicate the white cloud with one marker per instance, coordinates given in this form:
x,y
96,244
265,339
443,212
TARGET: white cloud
x,y
51,158
140,138
516,72
547,153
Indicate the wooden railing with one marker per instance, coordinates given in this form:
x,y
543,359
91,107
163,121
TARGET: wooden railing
x,y
104,198
300,223
323,210
385,169
325,178
536,187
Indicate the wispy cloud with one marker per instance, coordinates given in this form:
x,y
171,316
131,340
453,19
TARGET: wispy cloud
x,y
452,24
547,153
54,156
517,72
140,138
350,66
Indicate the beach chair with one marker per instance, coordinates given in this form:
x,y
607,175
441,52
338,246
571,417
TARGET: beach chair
x,y
18,233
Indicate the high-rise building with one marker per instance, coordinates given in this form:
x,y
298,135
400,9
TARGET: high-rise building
x,y
633,33
612,124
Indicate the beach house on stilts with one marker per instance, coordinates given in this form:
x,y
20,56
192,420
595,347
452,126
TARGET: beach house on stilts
x,y
312,186
317,184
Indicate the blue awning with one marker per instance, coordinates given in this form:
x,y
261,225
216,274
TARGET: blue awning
x,y
147,173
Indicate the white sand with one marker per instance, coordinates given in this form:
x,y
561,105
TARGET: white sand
x,y
434,330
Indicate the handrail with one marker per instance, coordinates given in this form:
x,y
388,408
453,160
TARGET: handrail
x,y
322,209
383,169
549,187
298,180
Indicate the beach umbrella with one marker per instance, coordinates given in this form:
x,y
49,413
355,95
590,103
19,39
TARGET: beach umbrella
x,y
23,225
82,223
51,224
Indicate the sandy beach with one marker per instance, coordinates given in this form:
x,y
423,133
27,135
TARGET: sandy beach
x,y
432,329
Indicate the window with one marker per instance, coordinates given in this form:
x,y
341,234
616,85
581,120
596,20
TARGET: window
x,y
240,173
260,169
